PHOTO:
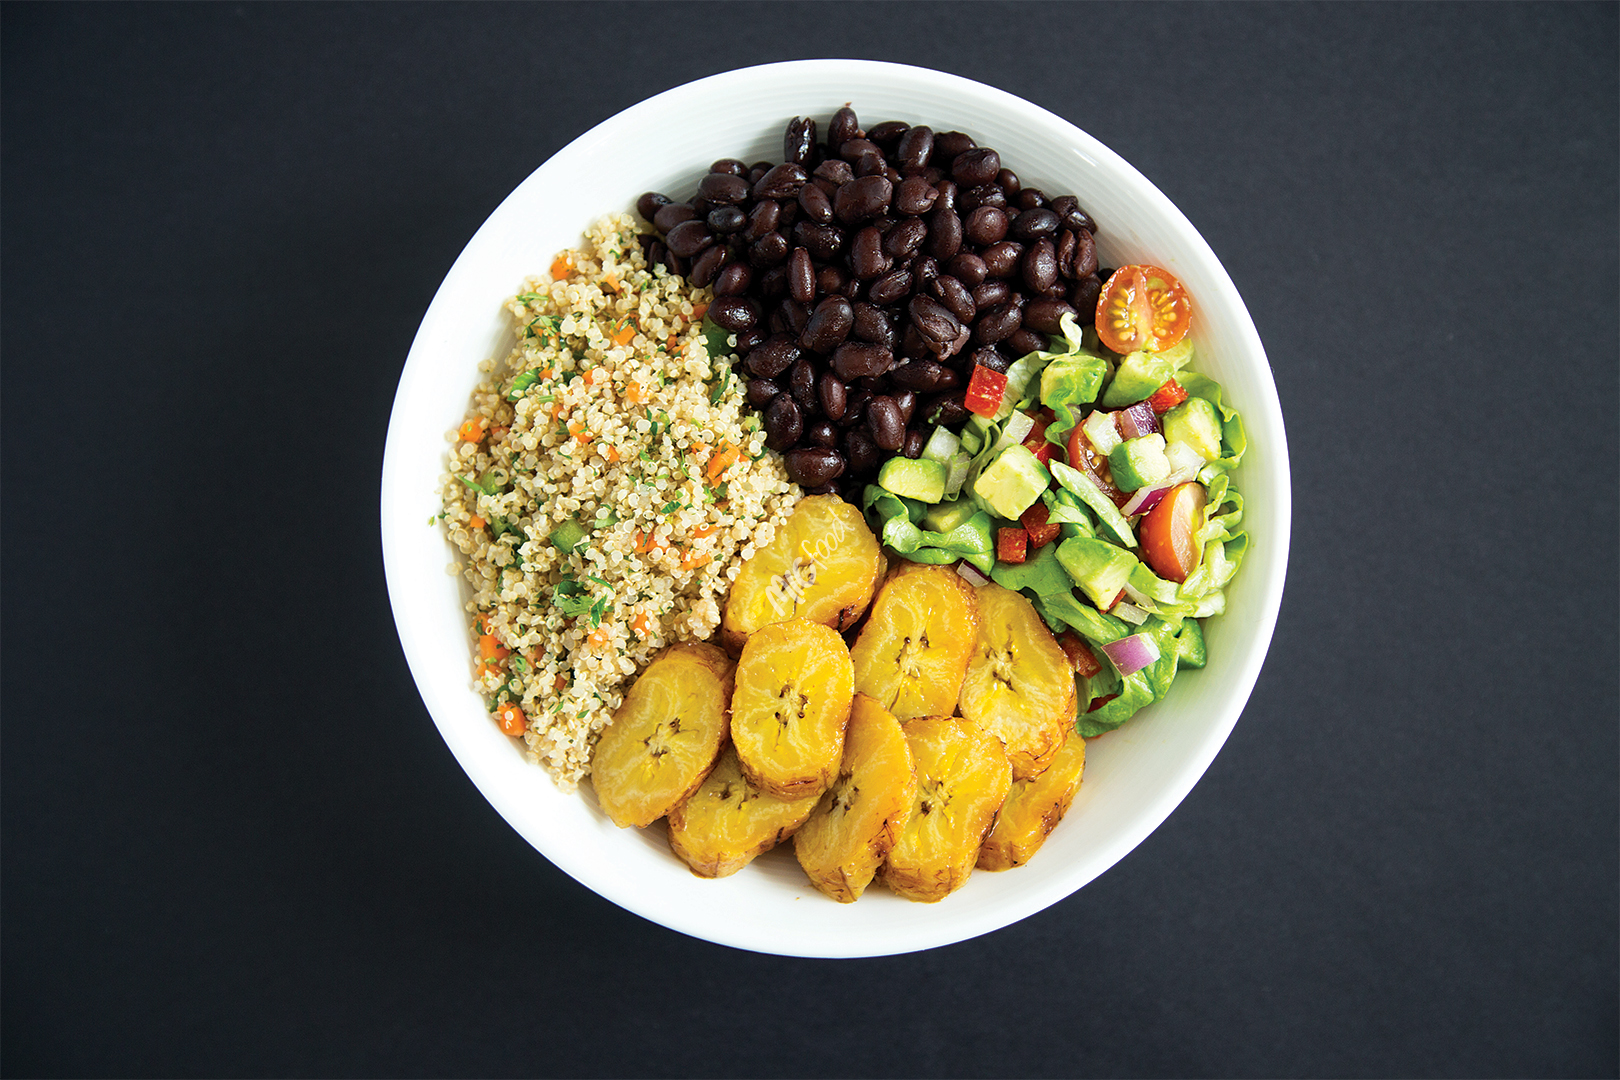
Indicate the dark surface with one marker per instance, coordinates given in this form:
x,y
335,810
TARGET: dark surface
x,y
234,843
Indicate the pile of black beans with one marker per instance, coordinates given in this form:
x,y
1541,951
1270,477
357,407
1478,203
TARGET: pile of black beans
x,y
866,274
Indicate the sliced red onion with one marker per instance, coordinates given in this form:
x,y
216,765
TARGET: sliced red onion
x,y
971,574
1132,654
1143,501
1129,612
1138,420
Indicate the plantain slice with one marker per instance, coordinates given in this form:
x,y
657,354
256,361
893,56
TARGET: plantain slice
x,y
794,684
962,778
1019,685
1034,807
823,566
665,736
859,819
914,649
727,822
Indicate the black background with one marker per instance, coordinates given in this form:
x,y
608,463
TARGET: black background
x,y
234,843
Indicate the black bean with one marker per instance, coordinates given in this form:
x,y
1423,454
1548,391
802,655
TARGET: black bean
x,y
757,170
862,453
771,248
729,165
986,225
991,357
795,316
888,133
872,164
914,196
1001,259
906,402
854,150
873,324
723,189
915,441
707,265
988,294
841,128
915,148
812,466
983,195
801,276
866,258
967,268
734,314
802,385
759,392
1046,315
782,182
954,295
1040,265
924,269
1024,341
948,144
944,234
749,340
858,359
789,212
933,321
823,242
1085,254
1008,180
884,423
862,199
903,240
1084,298
912,345
799,141
776,322
929,376
830,279
1067,245
1034,224
1068,208
773,282
890,287
672,214
946,192
855,407
974,167
831,392
724,220
949,409
997,323
821,433
784,422
772,356
649,203
829,325
1030,199
763,218
835,171
816,205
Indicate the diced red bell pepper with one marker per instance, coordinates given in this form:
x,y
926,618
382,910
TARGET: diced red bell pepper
x,y
1098,703
1041,531
1167,397
1081,658
1012,545
985,390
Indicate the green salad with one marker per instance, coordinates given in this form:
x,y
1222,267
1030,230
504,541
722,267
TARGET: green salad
x,y
1098,484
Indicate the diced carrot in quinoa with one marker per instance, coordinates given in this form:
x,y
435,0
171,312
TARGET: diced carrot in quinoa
x,y
640,624
477,522
511,718
723,459
624,333
473,430
560,268
698,311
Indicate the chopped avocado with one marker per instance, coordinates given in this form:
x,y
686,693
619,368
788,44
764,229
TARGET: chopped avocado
x,y
945,516
1139,463
1196,423
1190,644
566,537
914,478
1142,372
1012,482
1098,567
1108,514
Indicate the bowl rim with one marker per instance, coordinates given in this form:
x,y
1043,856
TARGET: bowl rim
x,y
925,933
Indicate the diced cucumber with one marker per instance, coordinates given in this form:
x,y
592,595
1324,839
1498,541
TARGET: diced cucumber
x,y
942,445
958,474
1102,432
567,536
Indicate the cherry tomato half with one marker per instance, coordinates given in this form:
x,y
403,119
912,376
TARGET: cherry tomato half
x,y
1143,307
1168,533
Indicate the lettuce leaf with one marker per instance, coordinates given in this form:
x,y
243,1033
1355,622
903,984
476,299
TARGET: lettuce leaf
x,y
1071,378
1078,483
895,520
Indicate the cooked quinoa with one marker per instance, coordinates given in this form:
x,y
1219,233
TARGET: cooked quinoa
x,y
611,430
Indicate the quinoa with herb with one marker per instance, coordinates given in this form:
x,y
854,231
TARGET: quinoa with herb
x,y
605,488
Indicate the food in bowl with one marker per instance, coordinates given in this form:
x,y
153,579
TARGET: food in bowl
x,y
986,460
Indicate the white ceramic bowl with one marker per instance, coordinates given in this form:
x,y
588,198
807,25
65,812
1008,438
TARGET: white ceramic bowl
x,y
1134,776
